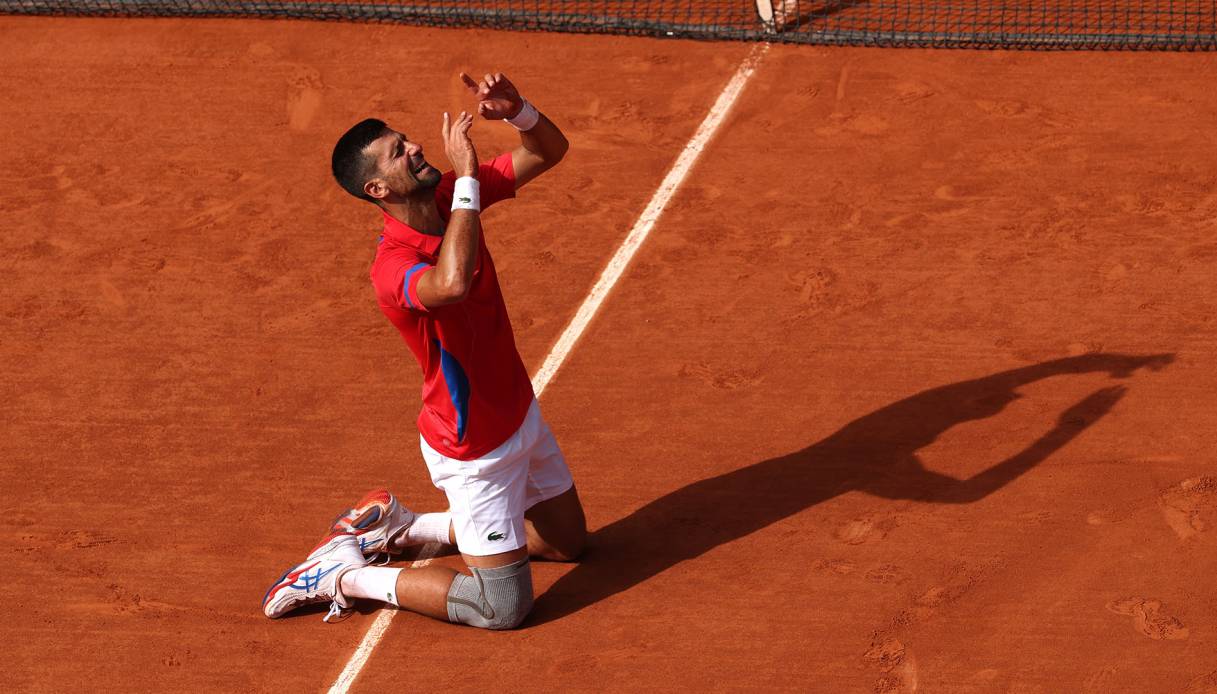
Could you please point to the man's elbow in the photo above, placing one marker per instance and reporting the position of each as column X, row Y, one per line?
column 554, row 151
column 452, row 290
column 457, row 291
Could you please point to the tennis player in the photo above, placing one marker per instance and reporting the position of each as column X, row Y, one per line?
column 485, row 443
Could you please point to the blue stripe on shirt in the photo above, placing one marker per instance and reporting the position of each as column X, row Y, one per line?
column 458, row 387
column 405, row 286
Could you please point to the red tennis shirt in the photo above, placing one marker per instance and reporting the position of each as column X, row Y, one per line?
column 476, row 390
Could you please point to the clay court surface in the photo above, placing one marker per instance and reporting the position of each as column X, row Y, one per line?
column 911, row 388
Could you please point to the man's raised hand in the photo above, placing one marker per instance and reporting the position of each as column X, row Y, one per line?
column 497, row 96
column 458, row 146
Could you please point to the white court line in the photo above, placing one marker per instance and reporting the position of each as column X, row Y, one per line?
column 583, row 316
column 647, row 220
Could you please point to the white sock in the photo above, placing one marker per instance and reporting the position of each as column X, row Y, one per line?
column 427, row 527
column 372, row 583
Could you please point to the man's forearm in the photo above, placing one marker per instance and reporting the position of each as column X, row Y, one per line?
column 545, row 141
column 458, row 252
column 541, row 147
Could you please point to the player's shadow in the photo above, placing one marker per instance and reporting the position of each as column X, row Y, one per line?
column 876, row 453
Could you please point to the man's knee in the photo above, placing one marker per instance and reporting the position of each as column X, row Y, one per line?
column 498, row 598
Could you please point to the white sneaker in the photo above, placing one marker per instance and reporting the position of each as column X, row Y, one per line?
column 317, row 579
column 375, row 521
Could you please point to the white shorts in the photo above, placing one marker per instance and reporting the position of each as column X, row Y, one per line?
column 489, row 495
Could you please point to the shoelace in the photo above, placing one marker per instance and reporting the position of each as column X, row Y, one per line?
column 337, row 613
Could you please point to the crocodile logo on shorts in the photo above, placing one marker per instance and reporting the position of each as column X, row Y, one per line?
column 495, row 536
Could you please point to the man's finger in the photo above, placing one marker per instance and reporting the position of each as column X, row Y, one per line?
column 469, row 83
column 444, row 129
column 488, row 80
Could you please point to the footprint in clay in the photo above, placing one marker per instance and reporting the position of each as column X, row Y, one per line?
column 304, row 98
column 1204, row 684
column 863, row 530
column 1191, row 507
column 1147, row 618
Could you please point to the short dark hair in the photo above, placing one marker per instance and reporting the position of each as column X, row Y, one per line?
column 352, row 166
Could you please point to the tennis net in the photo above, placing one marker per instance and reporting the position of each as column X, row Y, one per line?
column 1057, row 24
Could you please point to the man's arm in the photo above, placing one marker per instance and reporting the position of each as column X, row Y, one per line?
column 449, row 282
column 541, row 147
column 542, row 144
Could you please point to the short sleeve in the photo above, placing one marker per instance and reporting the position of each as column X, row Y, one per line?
column 409, row 286
column 497, row 179
column 396, row 283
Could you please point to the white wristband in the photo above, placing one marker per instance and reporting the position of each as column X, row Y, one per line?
column 527, row 118
column 467, row 195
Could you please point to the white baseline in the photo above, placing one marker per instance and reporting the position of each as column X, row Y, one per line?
column 566, row 342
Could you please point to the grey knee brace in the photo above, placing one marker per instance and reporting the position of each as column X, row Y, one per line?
column 497, row 598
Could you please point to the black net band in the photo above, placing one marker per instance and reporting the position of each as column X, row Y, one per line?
column 1059, row 24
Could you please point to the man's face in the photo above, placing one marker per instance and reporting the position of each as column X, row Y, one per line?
column 401, row 166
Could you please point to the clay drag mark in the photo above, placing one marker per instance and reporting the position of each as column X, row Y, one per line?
column 875, row 454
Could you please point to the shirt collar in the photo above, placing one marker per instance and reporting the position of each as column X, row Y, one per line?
column 399, row 231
